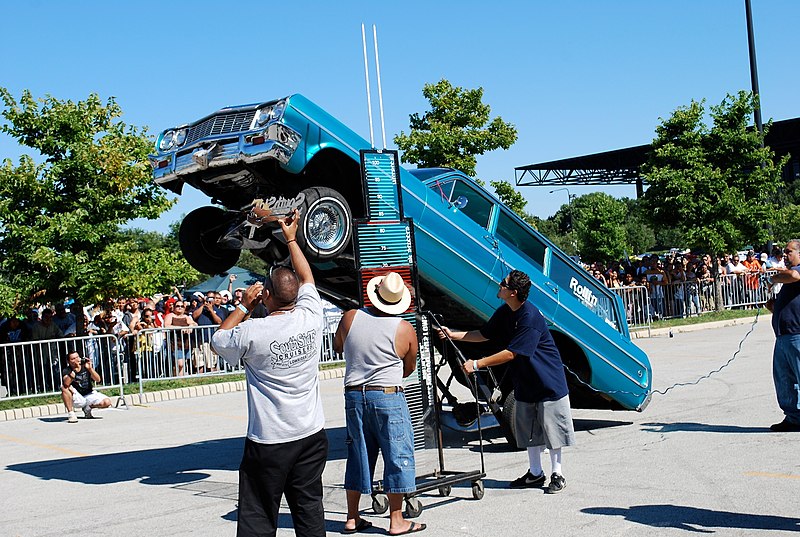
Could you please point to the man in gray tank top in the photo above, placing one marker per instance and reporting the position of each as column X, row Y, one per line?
column 380, row 350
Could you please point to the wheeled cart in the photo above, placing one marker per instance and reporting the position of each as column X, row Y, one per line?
column 384, row 242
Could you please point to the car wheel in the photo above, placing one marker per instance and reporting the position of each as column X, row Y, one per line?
column 199, row 236
column 325, row 224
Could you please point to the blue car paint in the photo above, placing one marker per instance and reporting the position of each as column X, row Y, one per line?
column 465, row 260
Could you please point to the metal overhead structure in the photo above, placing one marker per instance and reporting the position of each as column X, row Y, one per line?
column 622, row 166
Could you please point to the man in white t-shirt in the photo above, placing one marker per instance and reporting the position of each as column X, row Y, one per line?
column 286, row 446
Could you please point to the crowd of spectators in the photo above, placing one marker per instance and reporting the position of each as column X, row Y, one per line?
column 681, row 285
column 126, row 318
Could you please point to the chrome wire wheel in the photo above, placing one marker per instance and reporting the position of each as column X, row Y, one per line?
column 327, row 225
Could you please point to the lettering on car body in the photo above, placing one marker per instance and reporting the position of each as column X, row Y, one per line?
column 583, row 293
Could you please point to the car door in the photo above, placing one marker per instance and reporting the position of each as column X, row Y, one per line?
column 461, row 253
column 521, row 249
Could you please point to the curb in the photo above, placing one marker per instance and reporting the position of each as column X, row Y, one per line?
column 133, row 399
column 658, row 332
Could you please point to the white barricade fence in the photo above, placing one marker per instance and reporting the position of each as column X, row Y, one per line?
column 636, row 300
column 33, row 368
column 174, row 352
column 744, row 290
column 681, row 299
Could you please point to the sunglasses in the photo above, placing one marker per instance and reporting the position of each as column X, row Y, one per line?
column 178, row 306
column 504, row 284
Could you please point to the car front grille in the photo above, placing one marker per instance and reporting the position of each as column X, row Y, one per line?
column 221, row 124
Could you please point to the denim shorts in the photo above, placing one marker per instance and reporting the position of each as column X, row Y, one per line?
column 379, row 421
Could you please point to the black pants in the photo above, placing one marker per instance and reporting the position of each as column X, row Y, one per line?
column 269, row 471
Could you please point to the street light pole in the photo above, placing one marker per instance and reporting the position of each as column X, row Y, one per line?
column 571, row 216
column 751, row 47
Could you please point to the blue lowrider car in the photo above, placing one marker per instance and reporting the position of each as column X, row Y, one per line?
column 291, row 152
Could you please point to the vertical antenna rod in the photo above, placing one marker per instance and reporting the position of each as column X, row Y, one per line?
column 366, row 76
column 380, row 93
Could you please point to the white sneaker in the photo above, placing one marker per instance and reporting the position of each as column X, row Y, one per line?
column 87, row 412
column 72, row 418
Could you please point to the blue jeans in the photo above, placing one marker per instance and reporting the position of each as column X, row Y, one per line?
column 379, row 421
column 786, row 375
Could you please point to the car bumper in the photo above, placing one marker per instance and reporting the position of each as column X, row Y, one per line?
column 277, row 142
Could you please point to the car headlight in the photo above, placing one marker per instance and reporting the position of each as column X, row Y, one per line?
column 278, row 109
column 180, row 136
column 263, row 115
column 167, row 140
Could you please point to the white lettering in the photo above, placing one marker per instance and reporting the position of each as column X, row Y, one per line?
column 583, row 293
column 283, row 205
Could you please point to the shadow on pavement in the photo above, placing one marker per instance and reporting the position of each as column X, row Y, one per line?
column 594, row 425
column 696, row 519
column 162, row 466
column 700, row 427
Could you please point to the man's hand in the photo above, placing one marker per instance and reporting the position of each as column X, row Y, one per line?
column 88, row 365
column 289, row 225
column 443, row 332
column 232, row 278
column 467, row 367
column 252, row 295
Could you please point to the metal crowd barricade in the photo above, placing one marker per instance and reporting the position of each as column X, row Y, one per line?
column 33, row 368
column 636, row 300
column 744, row 290
column 681, row 299
column 178, row 352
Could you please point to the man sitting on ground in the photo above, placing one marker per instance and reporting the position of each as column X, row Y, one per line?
column 77, row 389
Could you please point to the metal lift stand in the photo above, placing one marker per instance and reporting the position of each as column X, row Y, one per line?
column 384, row 242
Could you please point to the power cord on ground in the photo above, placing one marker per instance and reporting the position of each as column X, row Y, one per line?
column 677, row 384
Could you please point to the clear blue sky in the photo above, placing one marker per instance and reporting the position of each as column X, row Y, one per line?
column 575, row 77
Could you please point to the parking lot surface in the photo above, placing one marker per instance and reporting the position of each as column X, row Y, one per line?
column 700, row 459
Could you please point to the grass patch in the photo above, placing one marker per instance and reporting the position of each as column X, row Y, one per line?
column 711, row 316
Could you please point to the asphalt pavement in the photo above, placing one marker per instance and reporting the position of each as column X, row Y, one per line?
column 699, row 459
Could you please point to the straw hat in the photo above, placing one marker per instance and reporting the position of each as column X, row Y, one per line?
column 389, row 293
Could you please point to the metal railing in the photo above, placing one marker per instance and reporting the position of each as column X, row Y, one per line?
column 646, row 303
column 178, row 352
column 33, row 368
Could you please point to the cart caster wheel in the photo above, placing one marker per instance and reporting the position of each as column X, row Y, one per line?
column 477, row 490
column 380, row 504
column 445, row 490
column 413, row 507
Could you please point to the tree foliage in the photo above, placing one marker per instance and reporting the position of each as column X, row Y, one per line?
column 510, row 197
column 59, row 219
column 715, row 185
column 456, row 129
column 599, row 221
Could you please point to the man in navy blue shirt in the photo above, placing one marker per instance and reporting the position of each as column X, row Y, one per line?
column 786, row 325
column 542, row 415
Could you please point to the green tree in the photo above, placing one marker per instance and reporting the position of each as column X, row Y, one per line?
column 599, row 224
column 510, row 197
column 59, row 219
column 454, row 130
column 716, row 186
column 640, row 236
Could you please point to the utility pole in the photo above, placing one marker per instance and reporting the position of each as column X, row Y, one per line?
column 751, row 46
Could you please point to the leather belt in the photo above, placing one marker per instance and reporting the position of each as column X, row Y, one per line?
column 367, row 388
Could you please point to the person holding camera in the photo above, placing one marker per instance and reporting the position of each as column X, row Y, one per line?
column 207, row 314
column 77, row 388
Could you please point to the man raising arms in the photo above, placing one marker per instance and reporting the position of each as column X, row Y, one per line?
column 286, row 446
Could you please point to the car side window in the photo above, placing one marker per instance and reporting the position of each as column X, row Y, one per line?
column 443, row 188
column 517, row 235
column 478, row 207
